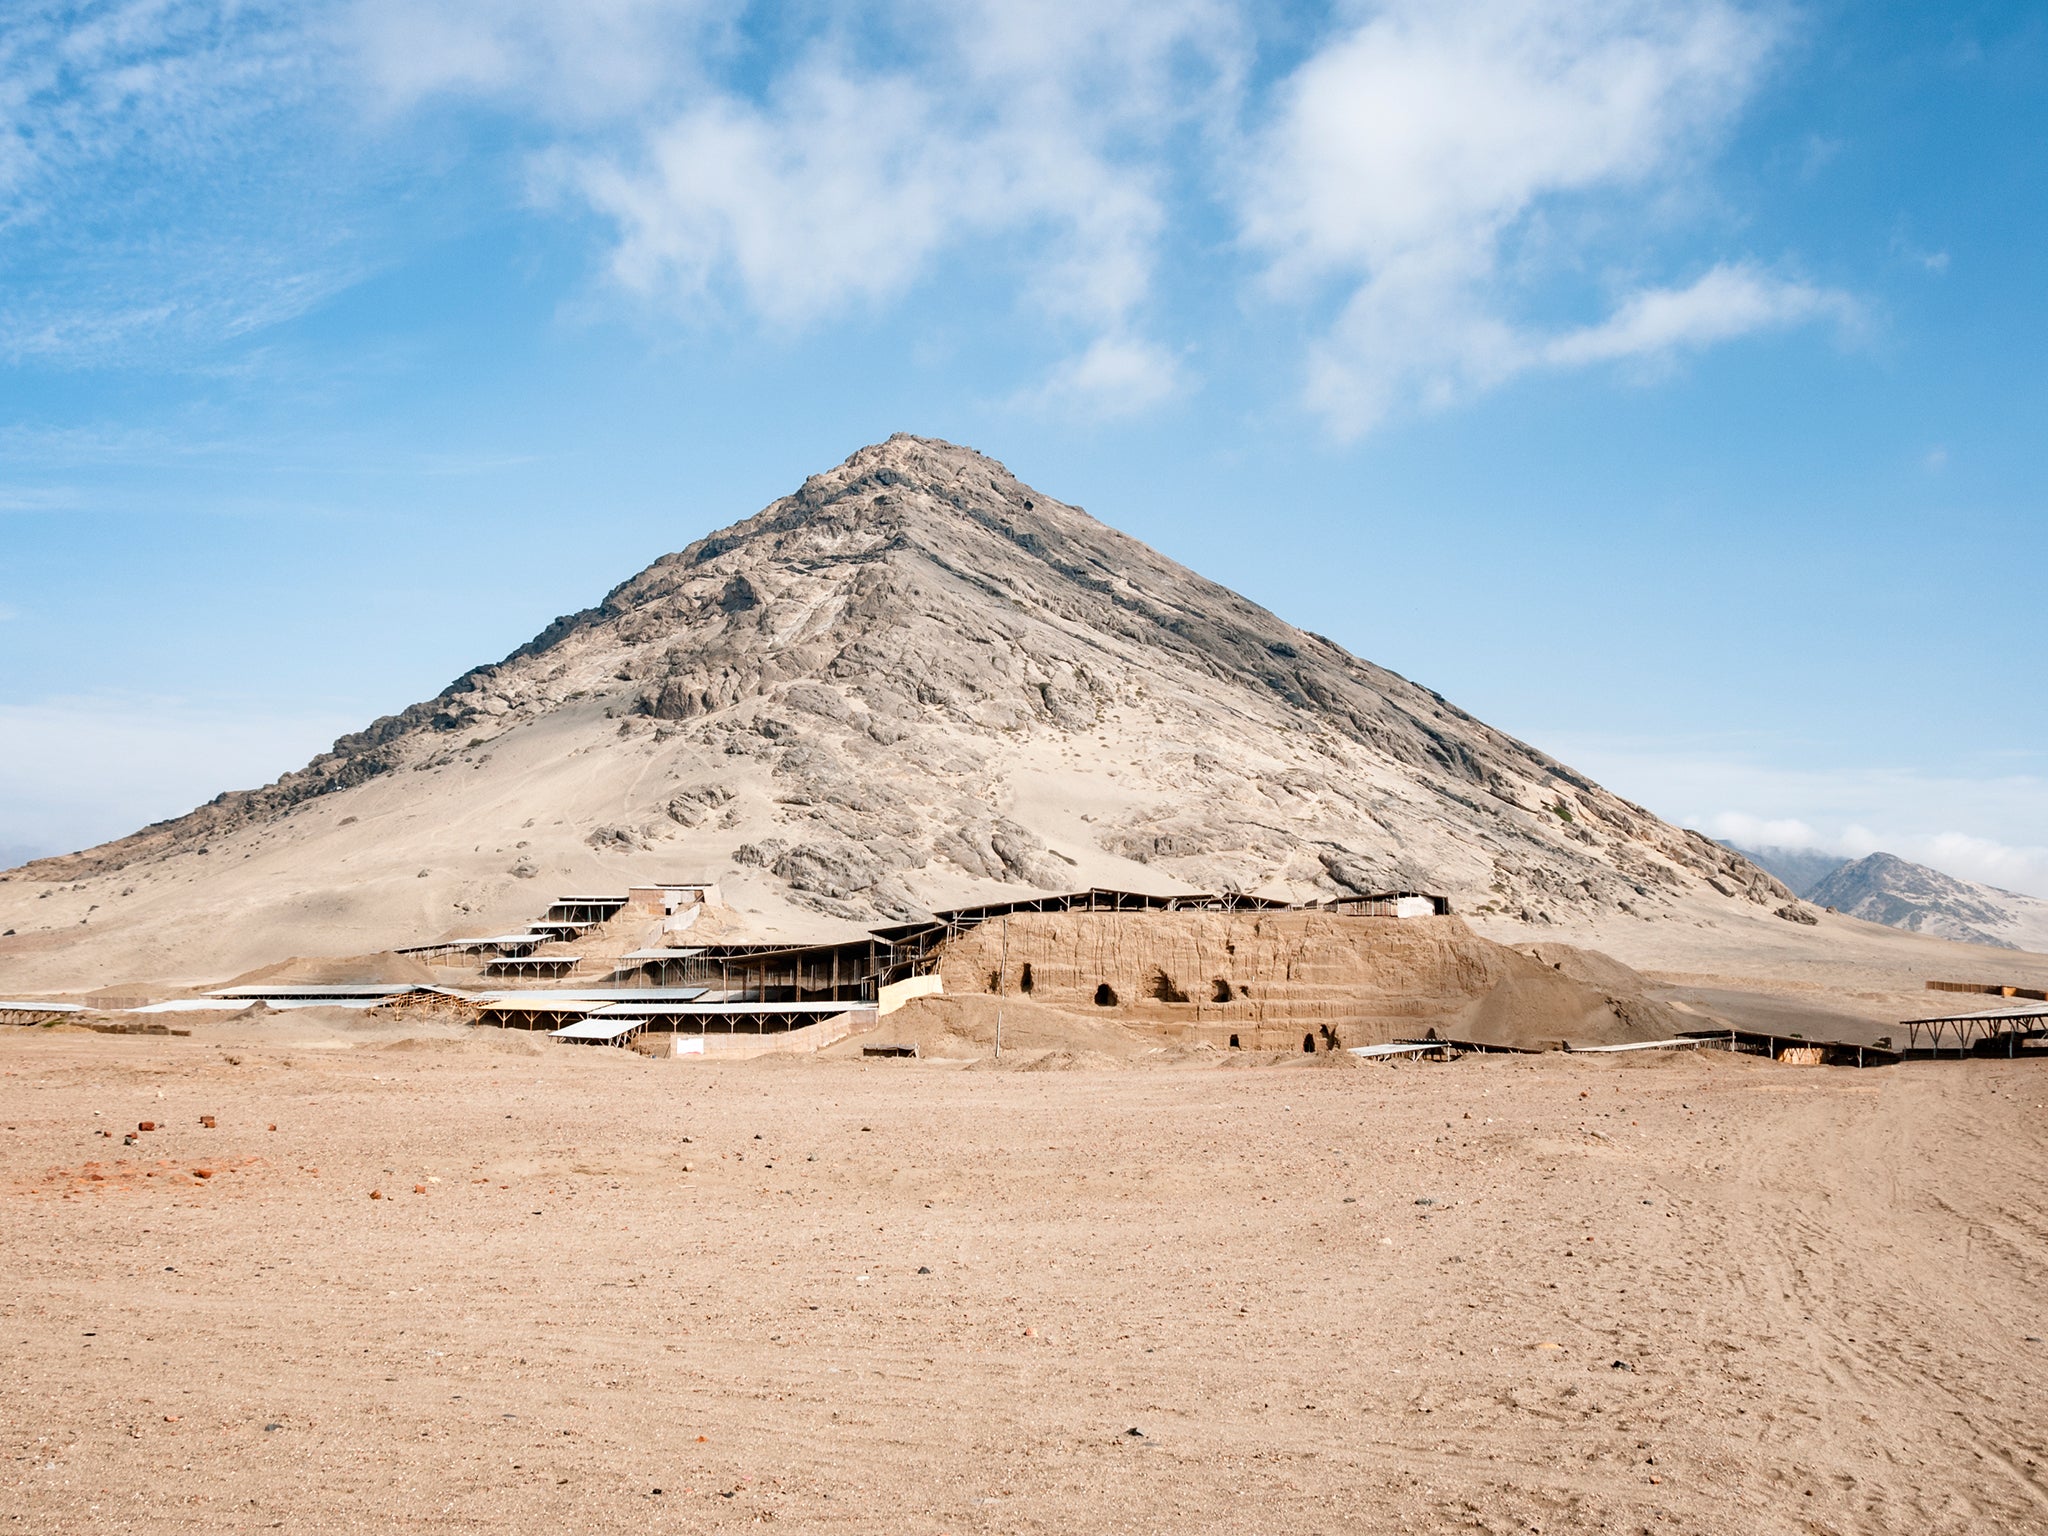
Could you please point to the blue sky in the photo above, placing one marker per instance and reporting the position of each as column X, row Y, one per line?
column 1662, row 380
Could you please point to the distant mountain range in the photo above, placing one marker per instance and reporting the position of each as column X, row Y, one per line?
column 1884, row 888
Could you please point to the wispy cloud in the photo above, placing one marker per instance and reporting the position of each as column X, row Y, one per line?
column 592, row 62
column 164, row 176
column 795, row 168
column 46, row 447
column 1116, row 376
column 1727, row 302
column 175, row 173
column 1027, row 138
column 1411, row 158
column 2009, row 866
column 40, row 498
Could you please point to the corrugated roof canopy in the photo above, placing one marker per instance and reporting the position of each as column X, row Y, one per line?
column 599, row 1028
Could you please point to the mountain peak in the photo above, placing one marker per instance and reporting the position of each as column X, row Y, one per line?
column 914, row 682
column 906, row 489
column 1884, row 888
column 908, row 463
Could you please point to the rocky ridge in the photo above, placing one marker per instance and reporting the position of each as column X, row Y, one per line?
column 1884, row 888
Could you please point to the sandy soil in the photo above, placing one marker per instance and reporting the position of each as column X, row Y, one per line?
column 1840, row 979
column 1840, row 959
column 1681, row 1294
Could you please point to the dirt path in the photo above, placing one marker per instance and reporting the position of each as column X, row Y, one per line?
column 1703, row 1295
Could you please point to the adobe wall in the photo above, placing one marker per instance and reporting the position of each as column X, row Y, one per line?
column 1272, row 977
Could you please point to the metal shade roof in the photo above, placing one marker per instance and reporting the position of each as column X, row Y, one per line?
column 322, row 989
column 545, row 1005
column 599, row 1028
column 734, row 1010
column 540, row 996
column 2033, row 1011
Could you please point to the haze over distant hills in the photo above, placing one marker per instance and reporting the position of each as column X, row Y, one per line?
column 1884, row 888
column 915, row 682
column 1800, row 868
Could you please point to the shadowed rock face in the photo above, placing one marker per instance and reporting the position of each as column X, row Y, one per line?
column 918, row 680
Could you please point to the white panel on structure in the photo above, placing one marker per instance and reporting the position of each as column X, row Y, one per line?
column 596, row 1027
column 897, row 993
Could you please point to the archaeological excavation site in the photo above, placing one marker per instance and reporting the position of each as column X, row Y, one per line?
column 1107, row 973
column 919, row 759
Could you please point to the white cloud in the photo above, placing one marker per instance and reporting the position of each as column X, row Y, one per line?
column 592, row 60
column 838, row 190
column 1116, row 376
column 1729, row 301
column 1411, row 157
column 1418, row 136
column 1026, row 138
column 1981, row 858
column 82, row 770
column 1764, row 832
column 1991, row 827
column 2019, row 867
column 841, row 187
column 195, row 172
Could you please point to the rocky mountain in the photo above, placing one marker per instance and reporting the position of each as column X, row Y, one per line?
column 915, row 682
column 1802, row 869
column 1887, row 889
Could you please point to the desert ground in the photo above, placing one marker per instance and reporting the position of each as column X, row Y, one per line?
column 422, row 1279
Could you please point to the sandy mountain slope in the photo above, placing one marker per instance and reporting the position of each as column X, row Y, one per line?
column 915, row 682
column 1886, row 889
